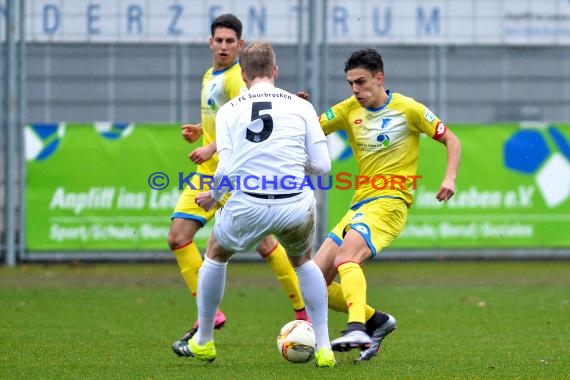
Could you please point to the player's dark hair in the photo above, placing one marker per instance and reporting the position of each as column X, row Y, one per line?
column 258, row 60
column 368, row 59
column 229, row 21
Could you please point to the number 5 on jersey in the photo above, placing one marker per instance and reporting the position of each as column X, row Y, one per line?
column 267, row 120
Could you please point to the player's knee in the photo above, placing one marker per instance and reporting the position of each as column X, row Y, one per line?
column 266, row 246
column 355, row 256
column 174, row 240
column 178, row 236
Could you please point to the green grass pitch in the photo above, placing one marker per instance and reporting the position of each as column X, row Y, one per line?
column 456, row 320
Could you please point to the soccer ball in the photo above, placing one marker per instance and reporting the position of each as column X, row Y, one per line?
column 296, row 341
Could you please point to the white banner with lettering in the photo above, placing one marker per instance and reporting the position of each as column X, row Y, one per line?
column 465, row 22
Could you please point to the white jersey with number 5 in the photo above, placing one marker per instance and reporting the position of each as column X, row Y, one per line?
column 269, row 131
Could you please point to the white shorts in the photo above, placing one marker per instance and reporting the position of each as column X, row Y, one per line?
column 245, row 220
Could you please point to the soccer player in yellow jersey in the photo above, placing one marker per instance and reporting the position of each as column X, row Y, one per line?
column 221, row 82
column 383, row 129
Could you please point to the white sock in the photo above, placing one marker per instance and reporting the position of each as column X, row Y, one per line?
column 211, row 283
column 314, row 293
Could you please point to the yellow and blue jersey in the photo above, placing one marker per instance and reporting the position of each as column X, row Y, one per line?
column 218, row 87
column 385, row 143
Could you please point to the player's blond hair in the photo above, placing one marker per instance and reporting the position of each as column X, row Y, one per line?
column 258, row 60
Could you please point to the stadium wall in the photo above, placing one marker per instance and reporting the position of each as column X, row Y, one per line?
column 81, row 82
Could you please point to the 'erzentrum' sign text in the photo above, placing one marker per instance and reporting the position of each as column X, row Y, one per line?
column 374, row 22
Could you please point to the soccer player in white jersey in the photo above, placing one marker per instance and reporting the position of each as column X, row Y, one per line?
column 220, row 83
column 272, row 138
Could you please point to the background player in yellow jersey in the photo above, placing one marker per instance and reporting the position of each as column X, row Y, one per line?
column 383, row 129
column 221, row 82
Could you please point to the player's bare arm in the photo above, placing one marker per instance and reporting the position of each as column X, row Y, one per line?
column 208, row 199
column 453, row 146
column 202, row 153
column 191, row 132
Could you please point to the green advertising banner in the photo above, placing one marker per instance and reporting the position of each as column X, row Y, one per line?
column 88, row 185
column 513, row 189
column 88, row 188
